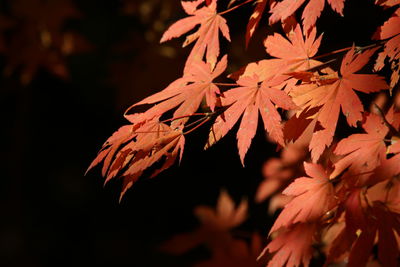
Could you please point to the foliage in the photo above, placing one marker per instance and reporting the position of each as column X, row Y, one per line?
column 347, row 199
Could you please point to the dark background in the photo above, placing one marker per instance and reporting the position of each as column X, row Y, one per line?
column 53, row 215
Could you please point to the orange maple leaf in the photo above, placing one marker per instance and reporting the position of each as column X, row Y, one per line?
column 292, row 246
column 313, row 197
column 225, row 216
column 390, row 30
column 111, row 146
column 207, row 35
column 294, row 53
column 363, row 152
column 338, row 95
column 250, row 99
column 151, row 148
column 278, row 172
column 255, row 19
column 186, row 92
column 286, row 8
column 385, row 184
column 215, row 226
column 134, row 148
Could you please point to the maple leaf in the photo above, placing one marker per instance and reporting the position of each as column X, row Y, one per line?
column 111, row 146
column 134, row 148
column 390, row 30
column 338, row 95
column 255, row 19
column 277, row 202
column 186, row 92
column 249, row 99
column 298, row 127
column 313, row 197
column 304, row 127
column 381, row 219
column 278, row 171
column 284, row 9
column 292, row 246
column 363, row 152
column 382, row 224
column 386, row 185
column 237, row 254
column 225, row 216
column 367, row 224
column 388, row 223
column 207, row 35
column 387, row 3
column 214, row 229
column 294, row 53
column 354, row 220
column 144, row 153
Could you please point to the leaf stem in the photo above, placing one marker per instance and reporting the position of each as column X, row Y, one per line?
column 186, row 116
column 235, row 7
column 226, row 84
column 195, row 122
column 203, row 120
column 159, row 131
column 358, row 48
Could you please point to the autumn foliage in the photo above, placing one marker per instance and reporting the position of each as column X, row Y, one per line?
column 339, row 195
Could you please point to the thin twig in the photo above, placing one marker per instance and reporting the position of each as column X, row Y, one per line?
column 186, row 116
column 226, row 84
column 358, row 48
column 197, row 126
column 195, row 122
column 233, row 8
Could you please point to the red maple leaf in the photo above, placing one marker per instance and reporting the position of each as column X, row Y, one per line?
column 368, row 221
column 354, row 220
column 207, row 35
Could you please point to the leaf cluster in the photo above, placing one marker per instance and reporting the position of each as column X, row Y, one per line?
column 347, row 199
